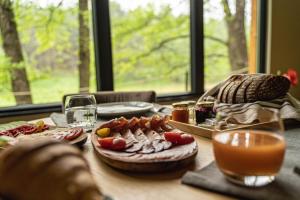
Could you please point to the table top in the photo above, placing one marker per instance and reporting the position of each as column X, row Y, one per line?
column 159, row 186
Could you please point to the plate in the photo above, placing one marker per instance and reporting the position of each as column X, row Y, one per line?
column 123, row 108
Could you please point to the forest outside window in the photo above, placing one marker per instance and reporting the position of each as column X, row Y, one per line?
column 47, row 46
column 46, row 50
column 229, row 45
column 151, row 45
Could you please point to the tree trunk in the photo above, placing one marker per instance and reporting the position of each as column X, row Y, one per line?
column 12, row 49
column 84, row 50
column 237, row 44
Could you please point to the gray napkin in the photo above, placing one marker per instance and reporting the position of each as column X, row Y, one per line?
column 286, row 185
column 59, row 119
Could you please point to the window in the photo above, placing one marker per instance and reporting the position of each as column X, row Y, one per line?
column 227, row 35
column 55, row 55
column 150, row 41
column 171, row 46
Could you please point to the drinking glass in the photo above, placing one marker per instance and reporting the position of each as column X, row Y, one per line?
column 80, row 111
column 252, row 156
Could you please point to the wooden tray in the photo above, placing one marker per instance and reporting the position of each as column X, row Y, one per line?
column 208, row 132
column 154, row 162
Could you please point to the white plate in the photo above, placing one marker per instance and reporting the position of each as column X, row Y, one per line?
column 123, row 108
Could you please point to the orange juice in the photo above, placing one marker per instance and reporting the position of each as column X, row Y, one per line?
column 249, row 152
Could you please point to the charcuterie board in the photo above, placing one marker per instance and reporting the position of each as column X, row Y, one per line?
column 148, row 157
column 208, row 131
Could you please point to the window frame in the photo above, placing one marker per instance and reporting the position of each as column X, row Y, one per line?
column 104, row 58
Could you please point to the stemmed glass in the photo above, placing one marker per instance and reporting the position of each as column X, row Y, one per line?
column 251, row 156
column 80, row 111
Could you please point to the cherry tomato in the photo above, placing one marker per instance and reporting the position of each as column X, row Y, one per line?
column 112, row 143
column 73, row 134
column 178, row 138
column 186, row 139
column 172, row 137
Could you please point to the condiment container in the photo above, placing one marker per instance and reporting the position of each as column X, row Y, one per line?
column 204, row 110
column 180, row 112
column 191, row 107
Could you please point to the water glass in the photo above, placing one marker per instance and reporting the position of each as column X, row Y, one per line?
column 80, row 111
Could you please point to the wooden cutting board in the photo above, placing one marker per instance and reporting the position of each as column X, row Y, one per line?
column 173, row 158
column 208, row 132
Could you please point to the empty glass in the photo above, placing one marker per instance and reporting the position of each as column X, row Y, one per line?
column 80, row 111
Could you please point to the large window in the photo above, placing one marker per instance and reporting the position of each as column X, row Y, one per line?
column 48, row 47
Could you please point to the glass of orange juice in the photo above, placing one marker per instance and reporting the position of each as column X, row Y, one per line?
column 250, row 157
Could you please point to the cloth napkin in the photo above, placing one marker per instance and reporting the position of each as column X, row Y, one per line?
column 259, row 111
column 286, row 185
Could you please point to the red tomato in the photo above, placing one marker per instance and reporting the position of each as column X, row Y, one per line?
column 112, row 143
column 178, row 138
column 73, row 134
column 172, row 137
column 186, row 139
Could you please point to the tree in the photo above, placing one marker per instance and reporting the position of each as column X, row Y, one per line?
column 84, row 51
column 237, row 45
column 12, row 49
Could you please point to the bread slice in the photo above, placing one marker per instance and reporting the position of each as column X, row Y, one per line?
column 233, row 90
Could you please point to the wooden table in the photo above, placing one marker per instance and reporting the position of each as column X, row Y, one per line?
column 162, row 186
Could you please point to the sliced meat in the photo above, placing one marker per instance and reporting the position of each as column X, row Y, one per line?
column 147, row 148
column 146, row 143
column 129, row 138
column 158, row 145
column 144, row 123
column 135, row 147
column 156, row 139
column 115, row 125
column 133, row 124
column 156, row 122
column 167, row 144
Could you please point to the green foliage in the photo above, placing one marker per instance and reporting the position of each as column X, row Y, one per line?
column 151, row 50
column 149, row 45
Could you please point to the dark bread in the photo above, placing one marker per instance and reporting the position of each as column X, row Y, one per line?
column 45, row 170
column 234, row 88
column 253, row 87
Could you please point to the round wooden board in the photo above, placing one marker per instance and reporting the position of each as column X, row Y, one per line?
column 155, row 162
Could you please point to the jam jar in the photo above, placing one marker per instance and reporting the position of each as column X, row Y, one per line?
column 204, row 110
column 180, row 112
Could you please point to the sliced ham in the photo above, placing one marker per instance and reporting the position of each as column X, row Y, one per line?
column 129, row 138
column 142, row 138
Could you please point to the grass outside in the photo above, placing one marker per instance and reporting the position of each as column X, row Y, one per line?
column 52, row 88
